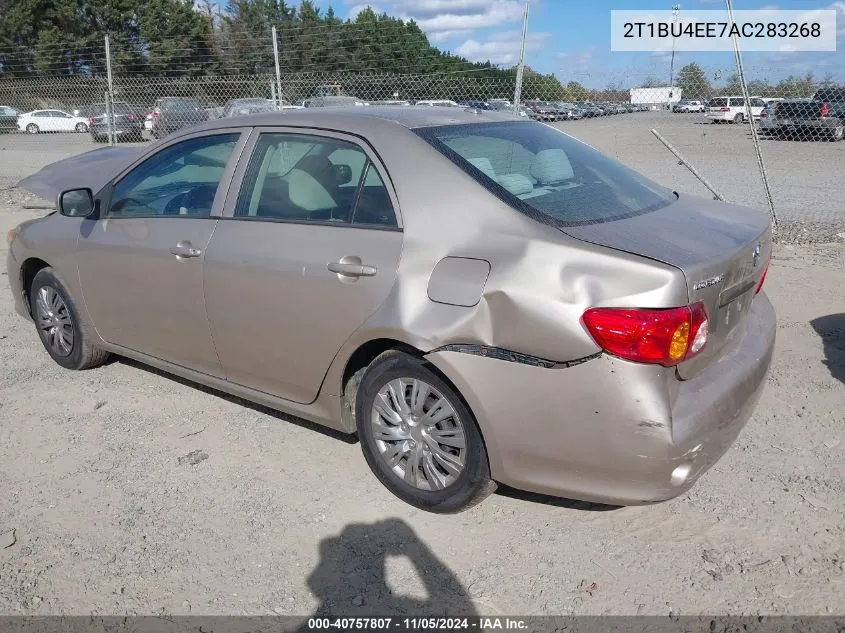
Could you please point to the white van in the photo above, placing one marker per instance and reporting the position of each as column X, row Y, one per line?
column 732, row 109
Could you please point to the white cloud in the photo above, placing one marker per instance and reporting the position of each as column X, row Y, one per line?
column 445, row 36
column 575, row 63
column 503, row 48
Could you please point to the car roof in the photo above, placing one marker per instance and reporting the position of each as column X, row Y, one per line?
column 343, row 118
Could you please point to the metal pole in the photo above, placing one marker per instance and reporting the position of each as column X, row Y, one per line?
column 686, row 164
column 109, row 94
column 676, row 9
column 278, row 70
column 754, row 137
column 520, row 68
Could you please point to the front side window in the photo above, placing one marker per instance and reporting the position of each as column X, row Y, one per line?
column 309, row 178
column 540, row 170
column 180, row 180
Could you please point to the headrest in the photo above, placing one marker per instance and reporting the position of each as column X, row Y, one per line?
column 517, row 184
column 484, row 165
column 551, row 167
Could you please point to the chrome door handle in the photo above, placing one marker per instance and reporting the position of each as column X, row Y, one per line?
column 350, row 269
column 185, row 249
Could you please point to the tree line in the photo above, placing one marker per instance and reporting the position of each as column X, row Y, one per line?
column 177, row 39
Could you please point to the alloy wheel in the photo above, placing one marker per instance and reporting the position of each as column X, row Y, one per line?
column 54, row 322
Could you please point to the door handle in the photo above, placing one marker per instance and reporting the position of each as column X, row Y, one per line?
column 184, row 248
column 352, row 267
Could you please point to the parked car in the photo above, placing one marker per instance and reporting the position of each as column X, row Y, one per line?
column 8, row 119
column 242, row 107
column 569, row 111
column 767, row 123
column 732, row 109
column 644, row 337
column 477, row 104
column 689, row 105
column 589, row 109
column 127, row 122
column 331, row 101
column 51, row 121
column 823, row 115
column 171, row 114
column 544, row 111
column 442, row 103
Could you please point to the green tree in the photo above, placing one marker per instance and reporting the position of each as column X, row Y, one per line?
column 693, row 82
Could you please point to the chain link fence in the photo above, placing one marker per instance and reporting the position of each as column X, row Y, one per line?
column 694, row 134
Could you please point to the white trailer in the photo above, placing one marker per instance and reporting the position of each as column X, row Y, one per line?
column 661, row 96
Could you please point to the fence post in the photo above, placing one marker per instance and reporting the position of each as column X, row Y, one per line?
column 517, row 93
column 278, row 71
column 109, row 95
column 754, row 137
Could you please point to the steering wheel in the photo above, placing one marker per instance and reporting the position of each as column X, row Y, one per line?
column 176, row 203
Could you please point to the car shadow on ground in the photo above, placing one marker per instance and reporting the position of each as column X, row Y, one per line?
column 351, row 577
column 831, row 329
column 558, row 502
column 284, row 417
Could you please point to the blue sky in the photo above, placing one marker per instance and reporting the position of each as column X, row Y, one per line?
column 571, row 38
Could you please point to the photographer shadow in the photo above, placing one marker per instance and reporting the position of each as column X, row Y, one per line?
column 351, row 578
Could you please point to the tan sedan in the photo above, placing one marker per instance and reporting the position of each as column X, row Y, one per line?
column 480, row 297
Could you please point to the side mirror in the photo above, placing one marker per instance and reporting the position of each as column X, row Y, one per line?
column 76, row 203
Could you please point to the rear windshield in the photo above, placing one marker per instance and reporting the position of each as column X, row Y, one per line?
column 831, row 94
column 546, row 173
column 180, row 104
column 720, row 102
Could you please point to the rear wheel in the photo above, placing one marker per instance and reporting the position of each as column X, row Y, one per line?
column 838, row 133
column 32, row 128
column 739, row 118
column 418, row 437
column 67, row 339
column 81, row 127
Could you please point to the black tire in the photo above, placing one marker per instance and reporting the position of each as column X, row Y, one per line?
column 32, row 128
column 471, row 486
column 739, row 118
column 837, row 134
column 84, row 353
column 81, row 128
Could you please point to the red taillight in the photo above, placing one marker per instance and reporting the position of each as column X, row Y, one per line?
column 825, row 109
column 91, row 121
column 762, row 279
column 131, row 117
column 155, row 115
column 724, row 109
column 763, row 114
column 656, row 336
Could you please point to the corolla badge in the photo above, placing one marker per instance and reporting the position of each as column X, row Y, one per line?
column 706, row 283
column 755, row 256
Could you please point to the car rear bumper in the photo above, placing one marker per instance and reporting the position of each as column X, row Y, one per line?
column 825, row 124
column 608, row 430
column 122, row 130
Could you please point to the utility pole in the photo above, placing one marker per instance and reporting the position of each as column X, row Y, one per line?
column 520, row 68
column 278, row 71
column 676, row 9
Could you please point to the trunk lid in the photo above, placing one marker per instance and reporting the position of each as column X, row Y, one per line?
column 722, row 250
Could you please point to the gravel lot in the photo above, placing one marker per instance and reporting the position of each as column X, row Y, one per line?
column 124, row 491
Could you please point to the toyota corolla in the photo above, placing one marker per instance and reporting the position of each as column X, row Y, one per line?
column 481, row 298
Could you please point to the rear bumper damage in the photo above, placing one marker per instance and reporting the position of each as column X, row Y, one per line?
column 608, row 430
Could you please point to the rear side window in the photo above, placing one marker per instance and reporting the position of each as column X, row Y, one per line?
column 546, row 173
column 719, row 102
column 831, row 94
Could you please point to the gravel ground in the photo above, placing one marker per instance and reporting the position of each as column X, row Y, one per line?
column 124, row 491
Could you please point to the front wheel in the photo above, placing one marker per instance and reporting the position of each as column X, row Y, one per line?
column 65, row 337
column 419, row 438
column 739, row 118
column 32, row 128
column 81, row 127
